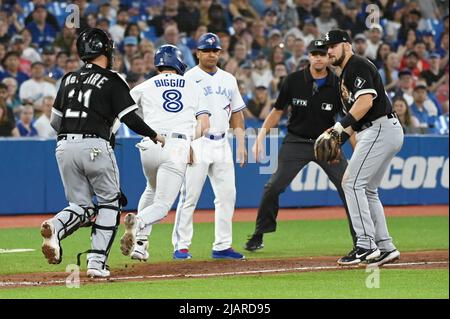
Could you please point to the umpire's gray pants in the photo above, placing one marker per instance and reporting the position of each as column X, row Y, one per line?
column 375, row 147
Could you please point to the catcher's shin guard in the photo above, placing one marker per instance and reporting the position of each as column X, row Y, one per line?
column 71, row 218
column 103, row 233
column 62, row 225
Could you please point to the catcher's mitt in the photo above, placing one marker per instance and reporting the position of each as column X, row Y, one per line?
column 327, row 147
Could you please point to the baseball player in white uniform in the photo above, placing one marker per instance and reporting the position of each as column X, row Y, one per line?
column 171, row 103
column 212, row 154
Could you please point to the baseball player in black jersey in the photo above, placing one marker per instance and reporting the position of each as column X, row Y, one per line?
column 313, row 95
column 87, row 109
column 379, row 136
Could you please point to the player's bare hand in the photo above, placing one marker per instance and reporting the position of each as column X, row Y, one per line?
column 258, row 150
column 241, row 155
column 160, row 139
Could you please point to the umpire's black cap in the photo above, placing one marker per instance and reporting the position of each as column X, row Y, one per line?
column 336, row 36
column 317, row 46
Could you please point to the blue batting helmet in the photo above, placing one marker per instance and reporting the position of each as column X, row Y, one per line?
column 170, row 56
column 209, row 41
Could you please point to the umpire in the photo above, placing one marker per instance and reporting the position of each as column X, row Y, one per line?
column 313, row 95
column 89, row 103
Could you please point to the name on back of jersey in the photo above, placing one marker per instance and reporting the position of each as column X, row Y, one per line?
column 170, row 83
column 94, row 79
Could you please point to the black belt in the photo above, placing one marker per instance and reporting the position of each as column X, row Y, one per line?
column 64, row 136
column 369, row 124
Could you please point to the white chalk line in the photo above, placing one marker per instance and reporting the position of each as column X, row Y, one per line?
column 247, row 272
column 18, row 250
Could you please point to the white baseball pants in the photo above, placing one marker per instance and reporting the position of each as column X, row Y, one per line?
column 212, row 158
column 164, row 168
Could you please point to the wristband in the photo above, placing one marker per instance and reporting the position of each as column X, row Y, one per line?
column 348, row 120
column 344, row 137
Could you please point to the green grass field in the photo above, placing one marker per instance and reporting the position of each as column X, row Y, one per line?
column 292, row 239
column 322, row 285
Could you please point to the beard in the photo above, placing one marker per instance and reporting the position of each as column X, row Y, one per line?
column 338, row 62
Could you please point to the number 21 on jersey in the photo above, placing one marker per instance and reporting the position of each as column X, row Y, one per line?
column 83, row 97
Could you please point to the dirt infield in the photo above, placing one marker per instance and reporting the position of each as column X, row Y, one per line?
column 249, row 214
column 136, row 271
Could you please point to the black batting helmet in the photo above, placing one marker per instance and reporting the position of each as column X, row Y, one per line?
column 93, row 42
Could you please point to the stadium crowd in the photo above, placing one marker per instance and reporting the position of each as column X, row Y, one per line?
column 262, row 41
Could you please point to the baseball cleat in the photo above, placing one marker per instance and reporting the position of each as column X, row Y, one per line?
column 255, row 242
column 50, row 247
column 140, row 250
column 98, row 273
column 358, row 255
column 384, row 258
column 351, row 252
column 227, row 254
column 182, row 254
column 128, row 239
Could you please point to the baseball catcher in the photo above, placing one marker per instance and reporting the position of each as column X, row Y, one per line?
column 89, row 103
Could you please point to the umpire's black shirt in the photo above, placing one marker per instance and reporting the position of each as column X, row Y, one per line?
column 313, row 108
column 359, row 77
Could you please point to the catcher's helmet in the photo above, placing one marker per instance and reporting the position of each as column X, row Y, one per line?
column 209, row 41
column 170, row 56
column 93, row 42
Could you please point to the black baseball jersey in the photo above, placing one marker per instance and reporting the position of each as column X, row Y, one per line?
column 313, row 109
column 360, row 76
column 90, row 100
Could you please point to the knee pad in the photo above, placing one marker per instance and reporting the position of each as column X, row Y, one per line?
column 123, row 200
column 74, row 217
